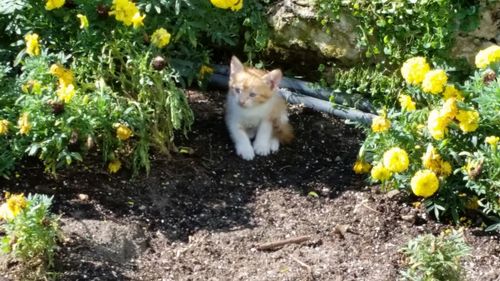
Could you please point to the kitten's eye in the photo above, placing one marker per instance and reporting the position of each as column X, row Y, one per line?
column 237, row 90
column 252, row 94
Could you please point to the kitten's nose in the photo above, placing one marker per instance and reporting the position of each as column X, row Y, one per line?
column 242, row 102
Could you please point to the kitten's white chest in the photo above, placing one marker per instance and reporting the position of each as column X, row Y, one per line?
column 247, row 117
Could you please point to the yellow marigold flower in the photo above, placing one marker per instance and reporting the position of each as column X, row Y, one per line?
column 137, row 20
column 123, row 132
column 468, row 120
column 65, row 76
column 32, row 86
column 450, row 91
column 380, row 173
column 53, row 4
column 235, row 5
column 114, row 166
column 24, row 124
column 14, row 205
column 396, row 160
column 84, row 22
column 32, row 44
column 406, row 103
column 424, row 183
column 434, row 81
column 4, row 127
column 472, row 203
column 450, row 108
column 160, row 38
column 66, row 92
column 492, row 140
column 445, row 169
column 361, row 167
column 437, row 125
column 380, row 124
column 124, row 11
column 431, row 159
column 204, row 70
column 488, row 56
column 414, row 70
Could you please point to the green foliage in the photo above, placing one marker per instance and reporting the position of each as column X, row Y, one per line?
column 431, row 258
column 400, row 29
column 380, row 86
column 31, row 236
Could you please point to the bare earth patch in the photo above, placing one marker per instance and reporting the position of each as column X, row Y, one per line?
column 202, row 216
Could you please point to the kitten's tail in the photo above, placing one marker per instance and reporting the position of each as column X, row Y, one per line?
column 284, row 132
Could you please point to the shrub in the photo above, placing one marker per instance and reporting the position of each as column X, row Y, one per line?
column 398, row 29
column 104, row 76
column 435, row 258
column 449, row 134
column 31, row 232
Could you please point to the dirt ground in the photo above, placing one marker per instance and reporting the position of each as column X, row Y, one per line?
column 203, row 216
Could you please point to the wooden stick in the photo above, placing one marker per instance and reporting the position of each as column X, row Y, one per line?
column 276, row 244
column 304, row 265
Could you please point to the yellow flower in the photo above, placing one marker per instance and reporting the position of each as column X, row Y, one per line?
column 160, row 38
column 53, row 4
column 24, row 124
column 84, row 22
column 361, row 167
column 66, row 92
column 123, row 132
column 488, row 56
column 406, row 103
column 434, row 81
column 204, row 70
column 65, row 76
column 431, row 159
column 492, row 140
column 424, row 183
column 137, row 20
column 114, row 166
column 414, row 70
column 396, row 160
column 32, row 45
column 4, row 127
column 468, row 120
column 124, row 11
column 445, row 168
column 450, row 108
column 235, row 5
column 437, row 125
column 380, row 173
column 32, row 86
column 450, row 91
column 380, row 124
column 14, row 205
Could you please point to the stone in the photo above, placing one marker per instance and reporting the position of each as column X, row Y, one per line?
column 296, row 29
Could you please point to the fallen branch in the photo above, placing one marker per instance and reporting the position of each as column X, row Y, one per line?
column 276, row 244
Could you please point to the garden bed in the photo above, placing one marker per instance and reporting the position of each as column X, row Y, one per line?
column 202, row 215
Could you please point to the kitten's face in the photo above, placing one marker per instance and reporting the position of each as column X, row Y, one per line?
column 252, row 87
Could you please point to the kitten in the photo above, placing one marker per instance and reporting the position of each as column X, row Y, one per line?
column 254, row 109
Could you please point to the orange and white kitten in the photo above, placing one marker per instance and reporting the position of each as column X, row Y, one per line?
column 254, row 109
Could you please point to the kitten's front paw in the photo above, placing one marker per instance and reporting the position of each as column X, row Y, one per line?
column 261, row 148
column 245, row 151
column 275, row 145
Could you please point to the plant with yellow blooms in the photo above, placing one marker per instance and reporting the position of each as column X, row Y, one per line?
column 30, row 233
column 440, row 140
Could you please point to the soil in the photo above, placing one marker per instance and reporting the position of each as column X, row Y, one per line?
column 203, row 215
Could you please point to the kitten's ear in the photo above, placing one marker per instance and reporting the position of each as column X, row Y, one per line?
column 236, row 66
column 273, row 78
